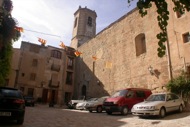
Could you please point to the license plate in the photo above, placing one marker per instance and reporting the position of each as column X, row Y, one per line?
column 5, row 113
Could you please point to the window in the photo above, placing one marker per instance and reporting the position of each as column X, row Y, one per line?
column 32, row 76
column 69, row 78
column 70, row 63
column 186, row 37
column 140, row 44
column 34, row 62
column 89, row 21
column 140, row 94
column 130, row 94
column 75, row 22
column 56, row 54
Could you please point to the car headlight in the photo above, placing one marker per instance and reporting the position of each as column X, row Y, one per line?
column 152, row 107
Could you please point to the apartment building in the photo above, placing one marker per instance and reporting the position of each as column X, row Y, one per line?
column 44, row 72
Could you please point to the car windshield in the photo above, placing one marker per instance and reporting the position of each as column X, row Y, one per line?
column 10, row 93
column 158, row 97
column 120, row 93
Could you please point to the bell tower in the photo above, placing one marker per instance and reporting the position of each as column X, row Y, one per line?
column 84, row 27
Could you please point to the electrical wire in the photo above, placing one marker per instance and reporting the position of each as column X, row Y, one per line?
column 43, row 33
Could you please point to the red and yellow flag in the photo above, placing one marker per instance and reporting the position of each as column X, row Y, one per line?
column 20, row 29
column 62, row 45
column 77, row 53
column 94, row 58
column 42, row 41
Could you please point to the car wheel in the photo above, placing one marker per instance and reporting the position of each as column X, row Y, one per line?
column 99, row 109
column 124, row 110
column 20, row 121
column 109, row 112
column 162, row 113
column 180, row 108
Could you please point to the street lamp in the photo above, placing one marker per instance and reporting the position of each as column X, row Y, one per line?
column 151, row 70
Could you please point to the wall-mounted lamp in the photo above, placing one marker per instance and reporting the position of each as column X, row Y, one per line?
column 151, row 70
column 98, row 82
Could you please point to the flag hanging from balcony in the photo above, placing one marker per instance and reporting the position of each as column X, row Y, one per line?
column 77, row 53
column 94, row 58
column 42, row 41
column 62, row 45
column 20, row 29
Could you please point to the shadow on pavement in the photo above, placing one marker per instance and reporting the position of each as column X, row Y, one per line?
column 169, row 116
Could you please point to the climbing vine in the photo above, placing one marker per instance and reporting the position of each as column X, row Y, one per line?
column 8, row 35
column 163, row 17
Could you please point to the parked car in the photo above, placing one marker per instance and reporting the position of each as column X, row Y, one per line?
column 96, row 105
column 81, row 105
column 72, row 103
column 159, row 104
column 123, row 100
column 12, row 105
column 29, row 101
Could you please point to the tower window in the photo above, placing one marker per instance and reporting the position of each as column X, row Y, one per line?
column 75, row 22
column 140, row 44
column 89, row 21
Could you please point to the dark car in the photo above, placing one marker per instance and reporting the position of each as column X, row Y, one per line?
column 12, row 104
column 29, row 101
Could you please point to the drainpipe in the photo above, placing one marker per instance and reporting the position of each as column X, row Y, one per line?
column 169, row 59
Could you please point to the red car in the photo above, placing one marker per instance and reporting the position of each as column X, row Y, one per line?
column 123, row 100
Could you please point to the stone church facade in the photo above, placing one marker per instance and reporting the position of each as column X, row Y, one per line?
column 124, row 54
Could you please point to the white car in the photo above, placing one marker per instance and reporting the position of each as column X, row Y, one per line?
column 158, row 104
column 81, row 105
column 96, row 105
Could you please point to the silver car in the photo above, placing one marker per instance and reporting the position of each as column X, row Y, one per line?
column 158, row 104
column 96, row 105
column 81, row 105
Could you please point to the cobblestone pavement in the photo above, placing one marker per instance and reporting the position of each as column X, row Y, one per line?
column 43, row 116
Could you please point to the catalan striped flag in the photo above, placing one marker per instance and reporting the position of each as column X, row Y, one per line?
column 62, row 45
column 20, row 29
column 94, row 58
column 77, row 53
column 42, row 41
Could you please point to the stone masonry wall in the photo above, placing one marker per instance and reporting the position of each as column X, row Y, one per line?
column 117, row 65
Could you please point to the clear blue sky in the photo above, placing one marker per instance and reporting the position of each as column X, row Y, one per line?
column 56, row 17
